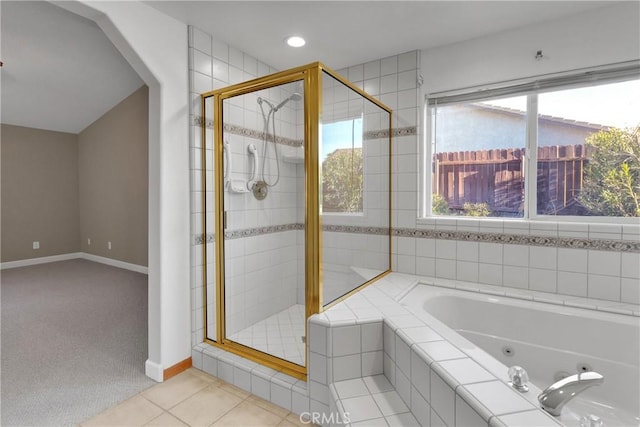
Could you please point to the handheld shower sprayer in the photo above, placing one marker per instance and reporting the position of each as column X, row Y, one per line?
column 260, row 187
column 294, row 97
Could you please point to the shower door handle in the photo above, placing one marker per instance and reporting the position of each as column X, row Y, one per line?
column 227, row 162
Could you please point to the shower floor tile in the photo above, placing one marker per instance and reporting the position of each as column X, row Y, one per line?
column 279, row 335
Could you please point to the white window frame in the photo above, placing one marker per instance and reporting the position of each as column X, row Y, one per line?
column 531, row 88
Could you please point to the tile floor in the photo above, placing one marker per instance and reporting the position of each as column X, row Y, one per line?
column 373, row 401
column 279, row 335
column 194, row 398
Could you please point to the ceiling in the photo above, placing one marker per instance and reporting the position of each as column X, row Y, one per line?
column 62, row 73
column 344, row 33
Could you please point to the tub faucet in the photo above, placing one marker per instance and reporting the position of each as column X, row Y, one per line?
column 554, row 397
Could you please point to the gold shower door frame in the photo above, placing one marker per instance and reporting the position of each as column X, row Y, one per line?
column 311, row 75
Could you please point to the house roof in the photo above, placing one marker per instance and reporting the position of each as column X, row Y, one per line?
column 544, row 117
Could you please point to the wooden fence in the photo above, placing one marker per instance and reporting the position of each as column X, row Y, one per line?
column 496, row 177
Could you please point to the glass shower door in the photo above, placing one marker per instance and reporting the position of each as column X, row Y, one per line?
column 264, row 264
column 300, row 200
column 354, row 156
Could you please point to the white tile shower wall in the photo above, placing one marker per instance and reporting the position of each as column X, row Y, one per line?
column 603, row 274
column 212, row 65
column 243, row 209
column 261, row 277
column 610, row 275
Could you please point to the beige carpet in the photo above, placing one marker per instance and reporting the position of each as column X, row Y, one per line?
column 73, row 342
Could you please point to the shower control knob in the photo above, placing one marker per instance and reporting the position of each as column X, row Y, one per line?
column 260, row 190
column 519, row 378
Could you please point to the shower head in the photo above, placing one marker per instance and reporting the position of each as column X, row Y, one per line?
column 294, row 97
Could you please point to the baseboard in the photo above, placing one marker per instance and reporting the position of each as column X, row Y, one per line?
column 115, row 263
column 41, row 260
column 153, row 371
column 82, row 255
column 174, row 370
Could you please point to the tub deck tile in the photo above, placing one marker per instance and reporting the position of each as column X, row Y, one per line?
column 441, row 350
column 529, row 418
column 498, row 397
column 466, row 371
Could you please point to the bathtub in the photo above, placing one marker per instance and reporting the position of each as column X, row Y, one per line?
column 548, row 340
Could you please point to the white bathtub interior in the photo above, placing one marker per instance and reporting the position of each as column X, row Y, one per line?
column 548, row 340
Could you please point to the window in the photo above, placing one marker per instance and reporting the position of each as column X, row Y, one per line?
column 563, row 150
column 588, row 158
column 342, row 166
column 478, row 167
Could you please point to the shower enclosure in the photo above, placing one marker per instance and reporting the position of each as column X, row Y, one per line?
column 297, row 195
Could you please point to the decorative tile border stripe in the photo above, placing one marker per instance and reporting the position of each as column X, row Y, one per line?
column 198, row 238
column 258, row 231
column 509, row 239
column 197, row 121
column 251, row 133
column 375, row 134
column 355, row 229
column 242, row 131
column 518, row 239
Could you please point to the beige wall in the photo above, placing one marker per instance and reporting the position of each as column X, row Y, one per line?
column 113, row 182
column 39, row 186
column 61, row 189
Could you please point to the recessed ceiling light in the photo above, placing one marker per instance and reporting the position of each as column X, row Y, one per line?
column 295, row 41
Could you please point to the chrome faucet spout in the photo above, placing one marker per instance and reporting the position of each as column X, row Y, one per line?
column 554, row 397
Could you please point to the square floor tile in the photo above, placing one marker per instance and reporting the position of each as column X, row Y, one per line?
column 377, row 422
column 378, row 384
column 248, row 414
column 175, row 390
column 135, row 411
column 390, row 403
column 351, row 388
column 165, row 420
column 206, row 406
column 403, row 420
column 361, row 408
column 264, row 404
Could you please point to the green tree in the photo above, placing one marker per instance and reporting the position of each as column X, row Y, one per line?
column 476, row 209
column 342, row 179
column 611, row 185
column 439, row 205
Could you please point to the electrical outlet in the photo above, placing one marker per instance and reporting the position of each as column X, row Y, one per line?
column 89, row 242
column 36, row 245
column 109, row 245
